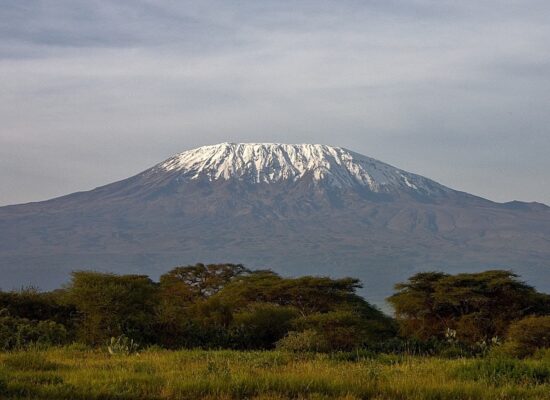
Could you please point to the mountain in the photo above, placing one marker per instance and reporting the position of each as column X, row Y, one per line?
column 298, row 209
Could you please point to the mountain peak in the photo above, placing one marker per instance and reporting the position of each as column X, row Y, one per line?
column 277, row 162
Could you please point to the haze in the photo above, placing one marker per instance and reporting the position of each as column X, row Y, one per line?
column 95, row 91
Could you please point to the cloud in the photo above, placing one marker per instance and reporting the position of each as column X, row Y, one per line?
column 445, row 89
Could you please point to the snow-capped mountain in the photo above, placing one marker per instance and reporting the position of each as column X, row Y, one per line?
column 298, row 209
column 273, row 162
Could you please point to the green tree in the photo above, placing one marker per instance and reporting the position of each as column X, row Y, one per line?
column 112, row 305
column 342, row 330
column 314, row 299
column 185, row 315
column 261, row 325
column 478, row 306
column 308, row 294
column 202, row 281
column 31, row 304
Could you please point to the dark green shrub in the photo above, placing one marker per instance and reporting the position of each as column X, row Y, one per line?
column 305, row 341
column 261, row 325
column 23, row 333
column 527, row 336
column 341, row 330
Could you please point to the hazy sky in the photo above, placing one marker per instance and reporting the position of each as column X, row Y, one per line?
column 94, row 91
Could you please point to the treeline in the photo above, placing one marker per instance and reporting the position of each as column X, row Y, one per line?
column 229, row 306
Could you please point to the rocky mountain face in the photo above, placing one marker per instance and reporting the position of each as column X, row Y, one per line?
column 298, row 209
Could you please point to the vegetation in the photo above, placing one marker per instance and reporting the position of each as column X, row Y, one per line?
column 68, row 373
column 528, row 335
column 107, row 336
column 477, row 307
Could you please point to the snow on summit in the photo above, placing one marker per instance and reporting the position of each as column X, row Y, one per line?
column 273, row 162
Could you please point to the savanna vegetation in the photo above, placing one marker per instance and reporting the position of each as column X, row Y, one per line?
column 223, row 331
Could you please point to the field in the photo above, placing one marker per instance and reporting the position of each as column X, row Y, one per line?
column 77, row 373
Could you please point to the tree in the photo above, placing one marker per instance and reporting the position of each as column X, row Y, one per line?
column 308, row 294
column 261, row 325
column 33, row 305
column 185, row 316
column 112, row 305
column 201, row 280
column 326, row 303
column 342, row 330
column 478, row 306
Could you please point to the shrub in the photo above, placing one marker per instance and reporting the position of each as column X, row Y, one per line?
column 527, row 336
column 305, row 341
column 340, row 330
column 261, row 325
column 23, row 333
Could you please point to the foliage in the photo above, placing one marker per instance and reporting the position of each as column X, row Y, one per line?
column 18, row 333
column 478, row 306
column 341, row 330
column 261, row 325
column 308, row 294
column 307, row 340
column 113, row 305
column 228, row 306
column 202, row 280
column 33, row 305
column 184, row 316
column 528, row 335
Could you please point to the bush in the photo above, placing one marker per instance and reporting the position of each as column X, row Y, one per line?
column 23, row 333
column 261, row 325
column 340, row 330
column 527, row 335
column 305, row 341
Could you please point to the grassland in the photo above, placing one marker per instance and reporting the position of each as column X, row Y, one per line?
column 77, row 373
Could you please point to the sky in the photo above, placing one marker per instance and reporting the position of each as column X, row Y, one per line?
column 95, row 91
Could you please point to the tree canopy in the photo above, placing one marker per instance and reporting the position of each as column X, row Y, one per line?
column 475, row 305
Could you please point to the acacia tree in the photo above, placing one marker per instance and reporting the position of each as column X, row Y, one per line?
column 112, row 305
column 184, row 316
column 330, row 307
column 201, row 280
column 308, row 293
column 477, row 305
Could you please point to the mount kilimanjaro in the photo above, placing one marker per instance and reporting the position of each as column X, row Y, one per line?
column 297, row 209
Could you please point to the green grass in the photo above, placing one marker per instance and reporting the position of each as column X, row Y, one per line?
column 77, row 373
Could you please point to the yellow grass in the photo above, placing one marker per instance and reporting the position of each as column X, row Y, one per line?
column 70, row 373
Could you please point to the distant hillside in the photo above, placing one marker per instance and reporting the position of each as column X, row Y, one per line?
column 298, row 209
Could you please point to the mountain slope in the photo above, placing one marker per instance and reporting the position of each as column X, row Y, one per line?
column 294, row 208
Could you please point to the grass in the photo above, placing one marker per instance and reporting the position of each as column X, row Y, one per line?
column 76, row 373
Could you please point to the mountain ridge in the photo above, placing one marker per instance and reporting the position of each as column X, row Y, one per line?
column 326, row 224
